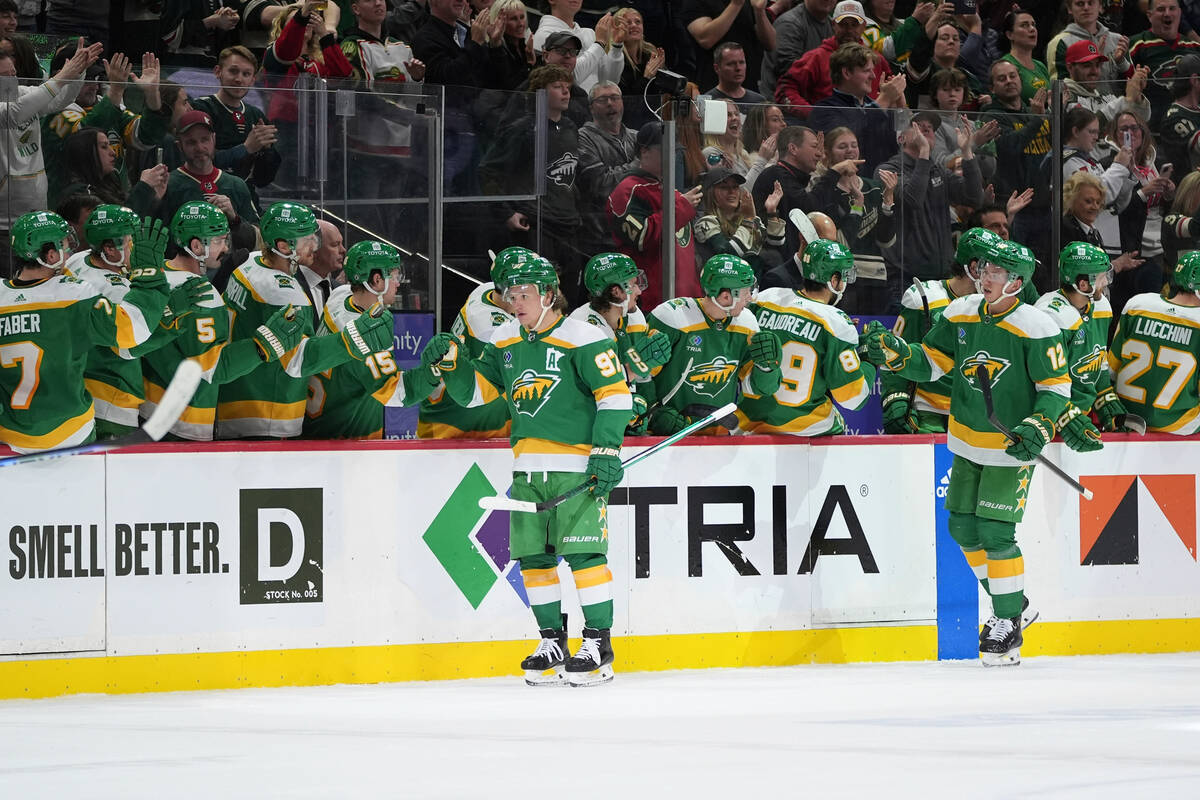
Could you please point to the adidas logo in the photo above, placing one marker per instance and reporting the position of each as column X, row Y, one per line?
column 20, row 297
column 943, row 486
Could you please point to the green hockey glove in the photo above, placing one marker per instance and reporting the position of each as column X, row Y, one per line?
column 366, row 335
column 666, row 421
column 1078, row 431
column 1033, row 433
column 655, row 349
column 279, row 335
column 765, row 351
column 884, row 348
column 897, row 414
column 638, row 418
column 149, row 244
column 604, row 465
column 440, row 353
column 1109, row 409
column 184, row 301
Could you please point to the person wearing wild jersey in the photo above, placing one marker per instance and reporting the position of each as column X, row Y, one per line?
column 346, row 402
column 569, row 404
column 1155, row 350
column 614, row 283
column 819, row 364
column 1083, row 314
column 200, row 231
column 715, row 344
column 48, row 324
column 1021, row 349
column 270, row 400
column 439, row 417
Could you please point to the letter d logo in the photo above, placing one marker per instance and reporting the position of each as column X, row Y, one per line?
column 281, row 546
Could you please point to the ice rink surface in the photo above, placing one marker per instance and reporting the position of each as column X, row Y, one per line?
column 1086, row 727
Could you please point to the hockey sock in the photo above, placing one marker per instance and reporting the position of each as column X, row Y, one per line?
column 593, row 581
column 964, row 532
column 540, row 574
column 1005, row 567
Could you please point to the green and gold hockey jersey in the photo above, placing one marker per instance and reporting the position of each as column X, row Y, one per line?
column 346, row 402
column 1022, row 350
column 47, row 330
column 708, row 357
column 1085, row 338
column 439, row 417
column 565, row 389
column 912, row 324
column 1154, row 357
column 819, row 367
column 628, row 334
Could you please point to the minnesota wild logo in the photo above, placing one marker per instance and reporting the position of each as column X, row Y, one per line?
column 1087, row 368
column 995, row 367
column 711, row 378
column 530, row 391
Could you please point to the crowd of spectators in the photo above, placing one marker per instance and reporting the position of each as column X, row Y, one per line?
column 901, row 121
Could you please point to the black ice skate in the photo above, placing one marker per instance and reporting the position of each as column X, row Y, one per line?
column 592, row 664
column 544, row 667
column 1002, row 647
column 1029, row 616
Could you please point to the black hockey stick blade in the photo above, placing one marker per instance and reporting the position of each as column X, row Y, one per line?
column 174, row 400
column 985, row 386
column 1132, row 423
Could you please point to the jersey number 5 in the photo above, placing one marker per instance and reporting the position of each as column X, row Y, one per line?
column 27, row 356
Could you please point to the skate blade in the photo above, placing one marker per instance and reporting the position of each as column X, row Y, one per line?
column 593, row 678
column 548, row 677
column 1029, row 616
column 1010, row 659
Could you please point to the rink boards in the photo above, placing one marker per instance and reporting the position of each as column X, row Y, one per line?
column 164, row 568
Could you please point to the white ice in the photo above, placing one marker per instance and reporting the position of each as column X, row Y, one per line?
column 1086, row 727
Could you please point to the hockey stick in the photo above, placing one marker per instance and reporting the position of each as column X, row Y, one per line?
column 920, row 287
column 502, row 503
column 804, row 225
column 985, row 386
column 1132, row 422
column 174, row 400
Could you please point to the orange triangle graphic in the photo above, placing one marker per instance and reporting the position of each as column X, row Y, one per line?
column 1176, row 496
column 1094, row 514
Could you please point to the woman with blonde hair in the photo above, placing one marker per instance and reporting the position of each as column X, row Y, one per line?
column 642, row 61
column 727, row 150
column 730, row 224
column 516, row 44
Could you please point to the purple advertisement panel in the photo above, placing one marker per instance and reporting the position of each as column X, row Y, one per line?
column 411, row 331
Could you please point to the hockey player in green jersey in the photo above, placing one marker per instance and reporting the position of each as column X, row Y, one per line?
column 818, row 364
column 569, row 404
column 1083, row 314
column 614, row 283
column 200, row 231
column 439, row 416
column 270, row 400
column 715, row 344
column 1022, row 350
column 347, row 402
column 48, row 324
column 1155, row 350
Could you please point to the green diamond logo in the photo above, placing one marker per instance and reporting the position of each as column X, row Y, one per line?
column 449, row 538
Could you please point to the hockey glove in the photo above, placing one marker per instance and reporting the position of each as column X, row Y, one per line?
column 1033, row 433
column 366, row 335
column 638, row 419
column 440, row 353
column 666, row 421
column 655, row 349
column 1113, row 416
column 897, row 414
column 604, row 465
column 279, row 335
column 149, row 244
column 765, row 351
column 884, row 348
column 184, row 301
column 1078, row 431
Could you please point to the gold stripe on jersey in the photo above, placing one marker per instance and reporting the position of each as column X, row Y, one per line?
column 1185, row 425
column 938, row 403
column 533, row 446
column 983, row 440
column 190, row 415
column 851, row 395
column 58, row 437
column 260, row 409
column 110, row 394
column 440, row 430
column 392, row 392
column 27, row 307
column 941, row 362
column 485, row 392
column 814, row 423
column 507, row 342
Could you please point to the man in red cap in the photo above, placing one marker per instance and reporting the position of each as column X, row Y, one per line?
column 1086, row 64
column 198, row 179
column 1085, row 26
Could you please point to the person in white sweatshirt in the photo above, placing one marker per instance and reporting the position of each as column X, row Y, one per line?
column 594, row 63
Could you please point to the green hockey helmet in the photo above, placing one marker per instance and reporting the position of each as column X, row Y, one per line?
column 109, row 223
column 608, row 269
column 1083, row 260
column 1017, row 259
column 824, row 258
column 33, row 233
column 287, row 222
column 365, row 257
column 974, row 244
column 198, row 220
column 506, row 258
column 1187, row 271
column 726, row 272
column 535, row 271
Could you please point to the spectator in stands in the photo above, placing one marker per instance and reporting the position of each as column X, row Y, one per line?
column 642, row 61
column 516, row 56
column 942, row 47
column 729, row 62
column 1084, row 64
column 924, row 195
column 690, row 163
column 73, row 18
column 25, row 58
column 245, row 140
column 1158, row 49
column 1181, row 228
column 75, row 210
column 852, row 70
column 1179, row 135
column 763, row 122
column 1085, row 27
column 562, row 50
column 601, row 51
column 635, row 221
column 1081, row 132
column 883, row 14
column 9, row 14
column 607, row 153
column 992, row 217
column 799, row 154
column 258, row 29
column 318, row 278
column 745, row 22
column 1141, row 218
column 726, row 149
column 788, row 274
column 453, row 52
column 405, row 18
column 731, row 226
column 199, row 179
column 797, row 31
column 948, row 88
column 808, row 81
column 195, row 31
column 1020, row 30
column 91, row 169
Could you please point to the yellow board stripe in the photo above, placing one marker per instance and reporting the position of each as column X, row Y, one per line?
column 540, row 577
column 592, row 576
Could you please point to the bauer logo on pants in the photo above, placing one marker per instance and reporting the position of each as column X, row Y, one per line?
column 281, row 546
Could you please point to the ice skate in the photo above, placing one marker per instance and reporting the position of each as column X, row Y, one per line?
column 1029, row 615
column 544, row 667
column 1002, row 647
column 592, row 664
